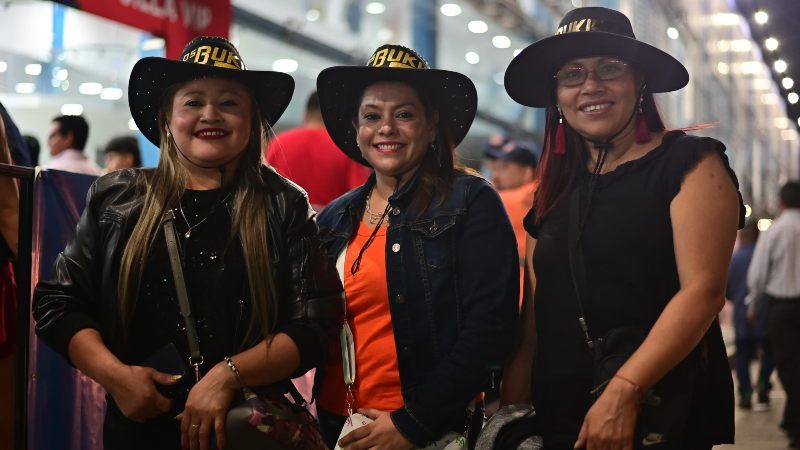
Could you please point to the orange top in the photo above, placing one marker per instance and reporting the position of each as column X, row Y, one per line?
column 518, row 201
column 377, row 383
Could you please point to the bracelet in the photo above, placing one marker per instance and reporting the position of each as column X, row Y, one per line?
column 636, row 387
column 234, row 369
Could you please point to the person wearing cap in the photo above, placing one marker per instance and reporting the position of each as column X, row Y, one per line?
column 122, row 152
column 425, row 250
column 655, row 215
column 263, row 298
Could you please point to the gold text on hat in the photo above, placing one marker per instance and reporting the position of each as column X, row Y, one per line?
column 575, row 26
column 221, row 57
column 393, row 57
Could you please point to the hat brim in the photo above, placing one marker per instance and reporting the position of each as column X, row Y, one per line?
column 339, row 88
column 529, row 77
column 152, row 76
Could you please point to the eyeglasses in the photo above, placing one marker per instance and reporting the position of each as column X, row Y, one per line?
column 576, row 75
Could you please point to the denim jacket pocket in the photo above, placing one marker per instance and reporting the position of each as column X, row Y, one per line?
column 433, row 241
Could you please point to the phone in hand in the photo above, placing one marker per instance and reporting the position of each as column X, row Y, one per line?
column 167, row 360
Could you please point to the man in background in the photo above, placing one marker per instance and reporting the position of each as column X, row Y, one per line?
column 122, row 152
column 68, row 135
column 750, row 337
column 774, row 284
column 308, row 157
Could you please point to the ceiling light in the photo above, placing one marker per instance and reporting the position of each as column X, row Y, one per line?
column 762, row 84
column 375, row 8
column 761, row 17
column 450, row 9
column 111, row 94
column 501, row 41
column 517, row 51
column 723, row 68
column 763, row 224
column 33, row 69
column 312, row 15
column 62, row 74
column 132, row 125
column 780, row 66
column 793, row 97
column 798, row 121
column 472, row 58
column 747, row 211
column 741, row 45
column 673, row 33
column 152, row 44
column 724, row 46
column 71, row 109
column 478, row 26
column 781, row 122
column 285, row 65
column 3, row 66
column 577, row 3
column 724, row 19
column 90, row 88
column 25, row 88
column 771, row 44
column 787, row 83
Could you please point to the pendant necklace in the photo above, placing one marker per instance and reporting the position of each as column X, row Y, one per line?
column 210, row 212
column 373, row 217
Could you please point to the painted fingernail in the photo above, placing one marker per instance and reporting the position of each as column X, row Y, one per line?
column 175, row 377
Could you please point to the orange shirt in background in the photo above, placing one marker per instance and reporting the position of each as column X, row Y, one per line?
column 518, row 201
column 377, row 383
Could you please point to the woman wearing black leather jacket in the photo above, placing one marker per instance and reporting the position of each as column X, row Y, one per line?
column 258, row 282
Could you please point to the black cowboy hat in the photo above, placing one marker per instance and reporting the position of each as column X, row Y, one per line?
column 585, row 32
column 207, row 56
column 452, row 94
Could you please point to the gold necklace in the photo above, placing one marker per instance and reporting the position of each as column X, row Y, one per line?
column 373, row 217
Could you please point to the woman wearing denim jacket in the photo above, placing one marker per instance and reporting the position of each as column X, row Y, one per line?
column 425, row 250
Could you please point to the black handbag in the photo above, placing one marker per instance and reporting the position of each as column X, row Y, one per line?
column 263, row 418
column 665, row 408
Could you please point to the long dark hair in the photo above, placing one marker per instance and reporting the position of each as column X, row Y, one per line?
column 556, row 173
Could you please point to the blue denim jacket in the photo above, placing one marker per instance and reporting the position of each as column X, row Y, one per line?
column 453, row 282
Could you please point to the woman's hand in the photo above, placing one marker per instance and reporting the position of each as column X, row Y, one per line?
column 610, row 422
column 380, row 434
column 134, row 391
column 206, row 408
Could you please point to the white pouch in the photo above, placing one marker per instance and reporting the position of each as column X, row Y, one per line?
column 450, row 441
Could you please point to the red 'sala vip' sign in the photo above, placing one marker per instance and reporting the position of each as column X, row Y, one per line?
column 177, row 21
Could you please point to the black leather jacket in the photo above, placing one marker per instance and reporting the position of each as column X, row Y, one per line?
column 82, row 292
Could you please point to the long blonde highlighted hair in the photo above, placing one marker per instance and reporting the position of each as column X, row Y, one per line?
column 163, row 191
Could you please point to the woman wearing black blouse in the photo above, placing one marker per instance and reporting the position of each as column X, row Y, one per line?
column 260, row 289
column 657, row 219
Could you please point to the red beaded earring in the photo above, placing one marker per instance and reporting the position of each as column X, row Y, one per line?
column 642, row 133
column 560, row 146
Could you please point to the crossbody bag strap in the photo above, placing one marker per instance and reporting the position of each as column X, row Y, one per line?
column 576, row 263
column 195, row 357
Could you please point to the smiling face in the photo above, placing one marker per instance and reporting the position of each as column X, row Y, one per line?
column 595, row 108
column 210, row 121
column 393, row 129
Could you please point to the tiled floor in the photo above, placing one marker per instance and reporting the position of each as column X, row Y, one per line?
column 759, row 430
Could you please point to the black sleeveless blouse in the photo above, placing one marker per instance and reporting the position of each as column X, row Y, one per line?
column 631, row 275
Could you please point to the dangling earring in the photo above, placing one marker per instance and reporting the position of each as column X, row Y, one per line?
column 642, row 133
column 435, row 151
column 560, row 146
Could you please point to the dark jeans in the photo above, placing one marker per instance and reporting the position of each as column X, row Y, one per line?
column 745, row 352
column 784, row 333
